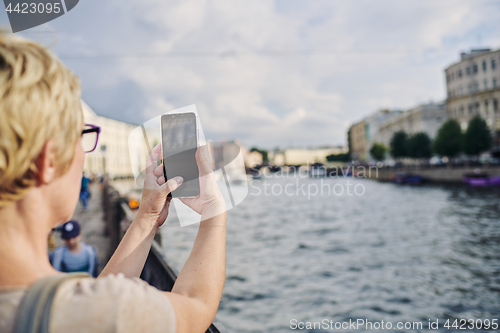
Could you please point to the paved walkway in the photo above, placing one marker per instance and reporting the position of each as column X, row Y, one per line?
column 93, row 225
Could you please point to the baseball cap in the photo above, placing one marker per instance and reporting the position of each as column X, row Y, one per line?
column 70, row 229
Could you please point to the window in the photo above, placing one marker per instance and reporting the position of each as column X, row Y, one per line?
column 460, row 71
column 470, row 109
column 486, row 108
column 462, row 110
column 484, row 65
column 485, row 84
column 467, row 70
column 493, row 64
column 495, row 105
column 494, row 83
column 474, row 68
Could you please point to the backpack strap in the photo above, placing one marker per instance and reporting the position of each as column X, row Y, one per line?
column 33, row 314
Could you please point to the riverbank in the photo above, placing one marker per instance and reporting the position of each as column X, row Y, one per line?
column 433, row 175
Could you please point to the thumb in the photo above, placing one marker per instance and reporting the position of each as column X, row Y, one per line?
column 174, row 183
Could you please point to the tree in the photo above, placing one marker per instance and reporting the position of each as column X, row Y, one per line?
column 419, row 145
column 477, row 137
column 448, row 140
column 399, row 144
column 338, row 158
column 378, row 151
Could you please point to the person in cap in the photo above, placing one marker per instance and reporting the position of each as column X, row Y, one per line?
column 74, row 255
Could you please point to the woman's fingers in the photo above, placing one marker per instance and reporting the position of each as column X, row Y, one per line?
column 156, row 152
column 203, row 163
column 173, row 183
column 153, row 158
column 158, row 171
column 161, row 180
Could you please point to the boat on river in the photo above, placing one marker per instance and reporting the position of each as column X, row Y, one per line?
column 406, row 178
column 481, row 179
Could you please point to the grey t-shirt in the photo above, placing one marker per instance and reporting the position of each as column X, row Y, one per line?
column 108, row 304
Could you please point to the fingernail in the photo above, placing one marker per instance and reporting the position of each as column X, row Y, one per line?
column 179, row 180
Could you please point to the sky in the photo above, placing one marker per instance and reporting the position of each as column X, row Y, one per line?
column 270, row 73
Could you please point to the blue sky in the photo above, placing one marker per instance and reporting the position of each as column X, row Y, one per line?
column 270, row 73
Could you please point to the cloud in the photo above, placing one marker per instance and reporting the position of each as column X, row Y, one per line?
column 267, row 72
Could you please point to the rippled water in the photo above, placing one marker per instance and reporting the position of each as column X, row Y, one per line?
column 395, row 253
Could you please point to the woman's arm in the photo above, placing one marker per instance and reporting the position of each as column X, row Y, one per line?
column 197, row 291
column 198, row 288
column 131, row 254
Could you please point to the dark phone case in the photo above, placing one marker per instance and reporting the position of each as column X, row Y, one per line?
column 194, row 191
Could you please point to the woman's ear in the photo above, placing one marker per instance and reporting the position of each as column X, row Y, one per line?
column 46, row 163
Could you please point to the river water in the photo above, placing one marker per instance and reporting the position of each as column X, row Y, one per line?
column 385, row 252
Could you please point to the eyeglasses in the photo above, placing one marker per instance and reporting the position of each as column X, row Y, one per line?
column 89, row 141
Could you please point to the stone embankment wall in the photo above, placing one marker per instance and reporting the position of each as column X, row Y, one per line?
column 435, row 175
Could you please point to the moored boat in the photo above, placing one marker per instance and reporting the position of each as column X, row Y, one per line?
column 481, row 179
column 406, row 178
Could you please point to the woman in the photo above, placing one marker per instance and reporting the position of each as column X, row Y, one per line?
column 41, row 163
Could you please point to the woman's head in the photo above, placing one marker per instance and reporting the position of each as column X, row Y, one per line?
column 39, row 107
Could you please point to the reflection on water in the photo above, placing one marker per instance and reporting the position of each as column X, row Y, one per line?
column 395, row 254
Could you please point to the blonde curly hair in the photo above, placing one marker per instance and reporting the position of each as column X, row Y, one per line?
column 39, row 101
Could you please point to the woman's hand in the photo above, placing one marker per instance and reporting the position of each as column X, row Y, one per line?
column 154, row 202
column 210, row 202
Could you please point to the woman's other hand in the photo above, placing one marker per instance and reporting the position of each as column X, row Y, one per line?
column 210, row 202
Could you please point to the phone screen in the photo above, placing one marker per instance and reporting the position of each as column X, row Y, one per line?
column 179, row 144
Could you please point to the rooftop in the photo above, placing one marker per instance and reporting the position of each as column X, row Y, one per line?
column 473, row 53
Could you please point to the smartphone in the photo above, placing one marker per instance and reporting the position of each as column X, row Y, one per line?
column 179, row 144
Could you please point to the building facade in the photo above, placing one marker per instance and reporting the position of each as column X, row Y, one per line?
column 373, row 125
column 473, row 88
column 381, row 126
column 111, row 155
column 357, row 141
column 426, row 118
column 309, row 156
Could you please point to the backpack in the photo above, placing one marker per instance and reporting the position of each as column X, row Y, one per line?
column 33, row 314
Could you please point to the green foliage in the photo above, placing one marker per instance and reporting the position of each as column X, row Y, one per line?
column 419, row 146
column 338, row 158
column 477, row 137
column 378, row 151
column 399, row 144
column 448, row 140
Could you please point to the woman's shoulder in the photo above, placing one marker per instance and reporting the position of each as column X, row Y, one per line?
column 112, row 303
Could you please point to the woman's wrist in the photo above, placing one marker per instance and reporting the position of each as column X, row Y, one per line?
column 214, row 208
column 146, row 221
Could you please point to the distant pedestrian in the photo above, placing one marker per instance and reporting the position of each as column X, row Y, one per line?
column 85, row 191
column 74, row 255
